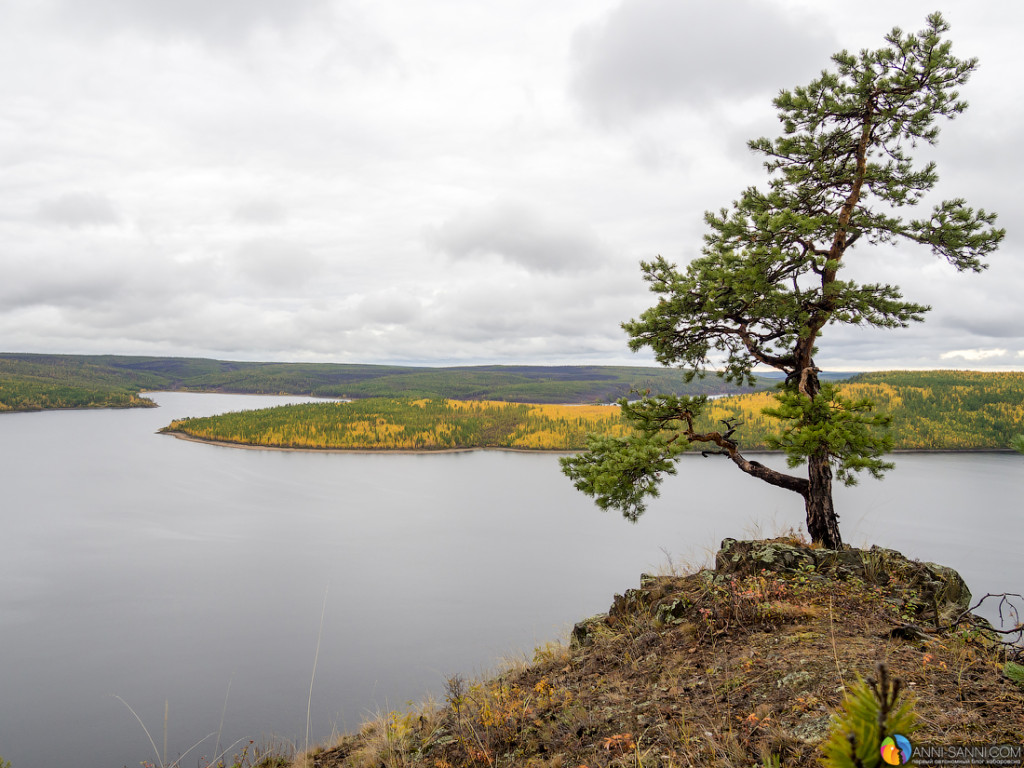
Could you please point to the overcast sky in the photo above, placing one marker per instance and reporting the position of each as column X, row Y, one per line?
column 441, row 182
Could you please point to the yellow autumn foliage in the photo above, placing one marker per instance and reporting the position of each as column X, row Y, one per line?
column 422, row 424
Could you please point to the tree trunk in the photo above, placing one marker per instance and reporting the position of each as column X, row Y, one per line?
column 822, row 520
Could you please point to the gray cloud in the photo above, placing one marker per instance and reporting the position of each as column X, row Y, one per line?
column 971, row 158
column 1005, row 322
column 518, row 235
column 649, row 55
column 507, row 313
column 78, row 209
column 985, row 310
column 276, row 264
column 390, row 307
column 65, row 288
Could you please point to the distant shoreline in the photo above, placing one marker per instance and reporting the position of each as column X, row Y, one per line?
column 105, row 407
column 557, row 451
column 418, row 451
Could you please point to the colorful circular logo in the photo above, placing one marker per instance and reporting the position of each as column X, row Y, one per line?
column 896, row 749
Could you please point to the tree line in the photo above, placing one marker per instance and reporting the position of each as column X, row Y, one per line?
column 409, row 424
column 929, row 410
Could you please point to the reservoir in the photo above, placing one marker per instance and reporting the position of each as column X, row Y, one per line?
column 200, row 581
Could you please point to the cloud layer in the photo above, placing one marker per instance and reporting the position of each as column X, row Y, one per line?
column 440, row 183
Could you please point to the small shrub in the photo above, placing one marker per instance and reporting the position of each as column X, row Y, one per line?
column 1011, row 669
column 872, row 711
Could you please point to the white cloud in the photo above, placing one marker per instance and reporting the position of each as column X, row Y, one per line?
column 974, row 355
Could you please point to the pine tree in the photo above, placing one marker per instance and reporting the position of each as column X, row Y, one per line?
column 768, row 282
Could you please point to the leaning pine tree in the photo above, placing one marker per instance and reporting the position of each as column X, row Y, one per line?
column 769, row 280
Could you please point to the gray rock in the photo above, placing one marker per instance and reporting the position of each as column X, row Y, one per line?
column 934, row 592
column 743, row 558
column 794, row 679
column 583, row 632
column 812, row 728
column 673, row 612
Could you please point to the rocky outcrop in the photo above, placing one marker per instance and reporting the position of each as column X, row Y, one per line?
column 930, row 593
column 934, row 591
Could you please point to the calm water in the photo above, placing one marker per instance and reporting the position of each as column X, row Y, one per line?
column 193, row 576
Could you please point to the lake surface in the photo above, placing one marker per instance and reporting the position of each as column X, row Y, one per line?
column 194, row 577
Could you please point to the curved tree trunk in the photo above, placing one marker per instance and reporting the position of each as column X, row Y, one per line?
column 822, row 520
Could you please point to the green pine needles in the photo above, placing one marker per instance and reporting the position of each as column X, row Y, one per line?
column 769, row 280
column 873, row 714
column 842, row 427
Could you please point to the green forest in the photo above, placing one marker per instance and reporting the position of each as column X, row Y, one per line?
column 32, row 382
column 930, row 410
column 45, row 382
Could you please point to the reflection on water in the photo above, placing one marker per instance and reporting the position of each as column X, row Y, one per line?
column 161, row 570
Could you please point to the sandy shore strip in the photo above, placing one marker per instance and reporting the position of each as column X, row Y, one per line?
column 417, row 451
column 561, row 452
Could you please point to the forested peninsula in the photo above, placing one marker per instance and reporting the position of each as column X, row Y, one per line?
column 930, row 410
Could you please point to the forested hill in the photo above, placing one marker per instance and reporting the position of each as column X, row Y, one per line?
column 930, row 410
column 38, row 382
column 33, row 382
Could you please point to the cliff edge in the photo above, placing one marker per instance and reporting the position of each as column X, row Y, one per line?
column 742, row 665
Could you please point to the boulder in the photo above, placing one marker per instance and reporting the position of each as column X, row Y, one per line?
column 583, row 632
column 936, row 592
column 745, row 558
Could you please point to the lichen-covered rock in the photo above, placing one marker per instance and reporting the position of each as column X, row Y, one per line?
column 812, row 728
column 672, row 611
column 934, row 592
column 744, row 558
column 950, row 588
column 842, row 562
column 630, row 603
column 922, row 593
column 583, row 632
